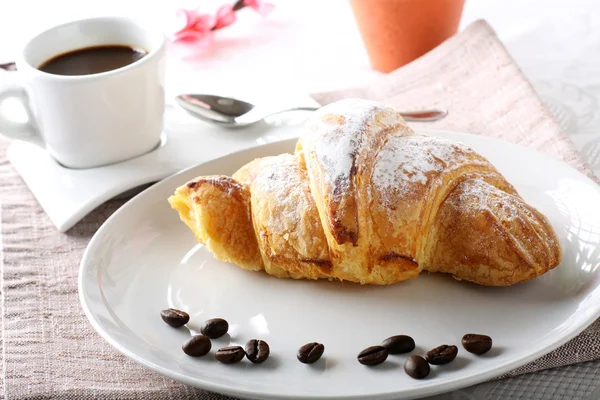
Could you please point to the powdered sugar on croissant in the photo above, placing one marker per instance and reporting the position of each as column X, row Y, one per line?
column 365, row 199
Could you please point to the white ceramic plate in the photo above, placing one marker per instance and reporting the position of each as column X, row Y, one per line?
column 144, row 259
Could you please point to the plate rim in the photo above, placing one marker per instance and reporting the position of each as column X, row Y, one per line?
column 429, row 390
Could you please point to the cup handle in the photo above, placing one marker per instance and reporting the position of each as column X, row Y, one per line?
column 26, row 131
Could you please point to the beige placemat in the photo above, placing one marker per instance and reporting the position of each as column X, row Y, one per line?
column 51, row 351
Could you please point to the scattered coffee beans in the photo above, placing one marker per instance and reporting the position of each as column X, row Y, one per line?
column 174, row 318
column 477, row 344
column 257, row 351
column 399, row 344
column 197, row 346
column 230, row 354
column 373, row 355
column 214, row 328
column 441, row 355
column 416, row 367
column 310, row 352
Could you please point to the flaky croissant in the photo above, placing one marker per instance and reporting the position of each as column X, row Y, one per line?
column 365, row 199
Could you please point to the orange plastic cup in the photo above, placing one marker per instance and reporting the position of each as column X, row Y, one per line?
column 395, row 32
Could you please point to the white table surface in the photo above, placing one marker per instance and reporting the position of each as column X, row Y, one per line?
column 313, row 45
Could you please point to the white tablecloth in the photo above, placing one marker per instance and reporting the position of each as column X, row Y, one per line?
column 312, row 45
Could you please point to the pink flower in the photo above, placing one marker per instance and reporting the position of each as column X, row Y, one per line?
column 197, row 28
column 225, row 16
column 262, row 7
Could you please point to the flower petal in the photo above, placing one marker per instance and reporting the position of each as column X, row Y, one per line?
column 265, row 8
column 200, row 39
column 188, row 17
column 225, row 16
column 262, row 7
column 193, row 20
column 203, row 22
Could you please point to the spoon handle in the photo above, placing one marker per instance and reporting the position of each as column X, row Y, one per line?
column 409, row 116
column 424, row 115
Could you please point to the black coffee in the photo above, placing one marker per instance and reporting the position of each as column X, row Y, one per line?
column 92, row 60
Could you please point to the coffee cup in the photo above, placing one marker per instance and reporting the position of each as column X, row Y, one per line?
column 95, row 116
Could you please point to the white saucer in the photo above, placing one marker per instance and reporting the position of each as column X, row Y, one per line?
column 67, row 195
column 144, row 259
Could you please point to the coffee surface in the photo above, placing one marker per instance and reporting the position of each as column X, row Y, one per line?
column 92, row 60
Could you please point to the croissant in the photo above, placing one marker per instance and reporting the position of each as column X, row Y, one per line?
column 365, row 199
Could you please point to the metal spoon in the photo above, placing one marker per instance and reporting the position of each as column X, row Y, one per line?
column 232, row 112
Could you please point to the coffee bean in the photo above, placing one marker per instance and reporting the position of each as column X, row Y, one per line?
column 230, row 354
column 416, row 367
column 373, row 355
column 257, row 351
column 174, row 317
column 310, row 352
column 214, row 328
column 441, row 355
column 399, row 344
column 477, row 344
column 197, row 346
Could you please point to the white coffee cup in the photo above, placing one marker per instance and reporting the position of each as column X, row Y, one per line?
column 92, row 120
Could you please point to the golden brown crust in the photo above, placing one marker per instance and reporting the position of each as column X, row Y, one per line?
column 217, row 210
column 339, row 145
column 286, row 221
column 365, row 199
column 483, row 235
